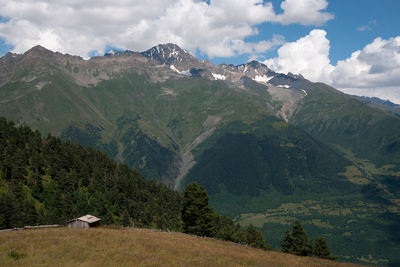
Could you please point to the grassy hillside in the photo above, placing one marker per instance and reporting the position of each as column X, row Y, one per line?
column 135, row 247
column 340, row 120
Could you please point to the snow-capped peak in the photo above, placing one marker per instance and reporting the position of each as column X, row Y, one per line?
column 170, row 54
column 165, row 51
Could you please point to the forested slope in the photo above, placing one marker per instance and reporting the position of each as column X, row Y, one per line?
column 46, row 180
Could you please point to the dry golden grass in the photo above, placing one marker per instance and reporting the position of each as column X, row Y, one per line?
column 135, row 247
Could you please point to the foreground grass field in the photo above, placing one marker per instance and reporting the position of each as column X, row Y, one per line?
column 134, row 247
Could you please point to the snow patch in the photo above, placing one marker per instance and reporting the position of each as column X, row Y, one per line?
column 304, row 91
column 172, row 67
column 283, row 86
column 174, row 53
column 218, row 76
column 263, row 78
column 185, row 72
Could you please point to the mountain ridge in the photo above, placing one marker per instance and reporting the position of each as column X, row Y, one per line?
column 176, row 57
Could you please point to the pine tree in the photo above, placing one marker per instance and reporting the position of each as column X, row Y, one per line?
column 197, row 216
column 255, row 238
column 224, row 228
column 296, row 241
column 321, row 249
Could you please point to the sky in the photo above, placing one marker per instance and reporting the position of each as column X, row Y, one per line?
column 353, row 46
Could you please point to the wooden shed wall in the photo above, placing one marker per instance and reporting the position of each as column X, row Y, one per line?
column 78, row 224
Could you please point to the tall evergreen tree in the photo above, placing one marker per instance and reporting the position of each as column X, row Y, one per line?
column 321, row 249
column 224, row 228
column 255, row 238
column 197, row 216
column 296, row 241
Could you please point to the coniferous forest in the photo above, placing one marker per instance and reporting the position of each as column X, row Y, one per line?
column 45, row 180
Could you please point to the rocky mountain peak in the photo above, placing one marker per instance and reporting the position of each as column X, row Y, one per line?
column 256, row 64
column 295, row 76
column 39, row 50
column 165, row 52
column 115, row 52
column 254, row 67
column 172, row 55
column 254, row 70
column 9, row 57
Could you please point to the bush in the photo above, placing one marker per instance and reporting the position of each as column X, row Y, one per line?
column 16, row 255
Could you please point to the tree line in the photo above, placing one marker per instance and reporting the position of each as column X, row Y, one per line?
column 45, row 180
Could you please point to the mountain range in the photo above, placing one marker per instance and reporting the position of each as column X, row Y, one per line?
column 269, row 147
column 385, row 105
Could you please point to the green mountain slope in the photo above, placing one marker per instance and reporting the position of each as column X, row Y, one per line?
column 270, row 148
column 340, row 120
column 46, row 180
column 128, row 116
column 268, row 153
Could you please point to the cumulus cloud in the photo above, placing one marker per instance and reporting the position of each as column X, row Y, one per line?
column 308, row 55
column 377, row 64
column 372, row 71
column 219, row 28
column 308, row 12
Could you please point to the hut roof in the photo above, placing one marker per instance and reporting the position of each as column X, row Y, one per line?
column 87, row 218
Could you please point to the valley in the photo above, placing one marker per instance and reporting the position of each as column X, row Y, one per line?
column 269, row 148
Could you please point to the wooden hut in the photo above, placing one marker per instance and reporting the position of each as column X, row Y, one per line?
column 84, row 222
